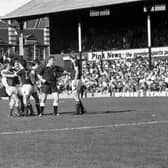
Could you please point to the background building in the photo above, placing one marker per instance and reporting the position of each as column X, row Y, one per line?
column 36, row 38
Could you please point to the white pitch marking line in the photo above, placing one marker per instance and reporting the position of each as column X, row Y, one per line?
column 84, row 127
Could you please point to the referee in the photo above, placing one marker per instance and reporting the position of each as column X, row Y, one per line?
column 47, row 74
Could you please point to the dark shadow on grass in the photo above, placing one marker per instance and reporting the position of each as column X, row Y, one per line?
column 119, row 111
column 109, row 112
column 95, row 112
column 60, row 113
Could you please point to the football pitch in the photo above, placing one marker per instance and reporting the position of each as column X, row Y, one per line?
column 114, row 133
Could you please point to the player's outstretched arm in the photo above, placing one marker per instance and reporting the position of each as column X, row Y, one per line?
column 8, row 74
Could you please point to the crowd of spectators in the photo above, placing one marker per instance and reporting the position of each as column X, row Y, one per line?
column 126, row 75
column 122, row 75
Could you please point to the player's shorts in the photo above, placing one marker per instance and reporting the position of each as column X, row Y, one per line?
column 49, row 88
column 11, row 90
column 19, row 90
column 27, row 89
column 76, row 85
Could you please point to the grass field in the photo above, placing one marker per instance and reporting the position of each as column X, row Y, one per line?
column 114, row 133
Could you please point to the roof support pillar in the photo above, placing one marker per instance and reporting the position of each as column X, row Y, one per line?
column 149, row 39
column 149, row 35
column 34, row 51
column 79, row 37
column 80, row 46
column 21, row 40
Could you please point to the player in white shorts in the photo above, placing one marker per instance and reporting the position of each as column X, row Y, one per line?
column 10, row 82
column 28, row 88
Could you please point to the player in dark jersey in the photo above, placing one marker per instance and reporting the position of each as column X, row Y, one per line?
column 35, row 82
column 34, row 69
column 28, row 88
column 48, row 76
column 76, row 84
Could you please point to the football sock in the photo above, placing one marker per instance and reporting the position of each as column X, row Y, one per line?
column 55, row 108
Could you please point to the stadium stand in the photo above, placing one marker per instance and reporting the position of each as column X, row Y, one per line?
column 116, row 31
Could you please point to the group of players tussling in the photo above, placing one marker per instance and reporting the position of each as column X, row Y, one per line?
column 21, row 82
